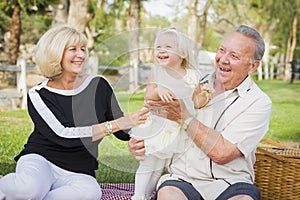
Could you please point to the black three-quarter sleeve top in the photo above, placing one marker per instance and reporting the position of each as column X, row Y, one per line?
column 62, row 123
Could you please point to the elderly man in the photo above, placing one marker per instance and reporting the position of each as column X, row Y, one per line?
column 220, row 153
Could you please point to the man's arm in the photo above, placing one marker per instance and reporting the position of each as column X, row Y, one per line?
column 208, row 140
column 211, row 142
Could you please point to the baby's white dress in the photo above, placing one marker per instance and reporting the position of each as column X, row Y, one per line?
column 163, row 137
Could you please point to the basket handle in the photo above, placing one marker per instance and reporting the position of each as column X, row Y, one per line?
column 260, row 149
column 278, row 157
column 266, row 140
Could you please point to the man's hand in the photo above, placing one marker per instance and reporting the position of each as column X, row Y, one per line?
column 175, row 110
column 137, row 148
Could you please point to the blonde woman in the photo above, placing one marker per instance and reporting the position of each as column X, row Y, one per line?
column 71, row 112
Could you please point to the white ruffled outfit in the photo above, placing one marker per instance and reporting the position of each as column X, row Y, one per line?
column 163, row 137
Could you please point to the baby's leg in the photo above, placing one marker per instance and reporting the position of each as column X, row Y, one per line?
column 147, row 176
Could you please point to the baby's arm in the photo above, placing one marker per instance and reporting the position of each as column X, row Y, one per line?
column 157, row 92
column 201, row 95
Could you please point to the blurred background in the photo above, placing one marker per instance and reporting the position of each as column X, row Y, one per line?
column 121, row 32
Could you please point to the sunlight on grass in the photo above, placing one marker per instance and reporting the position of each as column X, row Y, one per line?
column 285, row 117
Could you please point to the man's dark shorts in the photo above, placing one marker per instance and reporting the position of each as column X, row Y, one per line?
column 233, row 190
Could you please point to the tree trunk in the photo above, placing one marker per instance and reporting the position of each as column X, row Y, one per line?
column 203, row 20
column 133, row 26
column 13, row 43
column 294, row 38
column 291, row 49
column 287, row 65
column 15, row 31
column 78, row 16
column 280, row 67
column 192, row 25
column 60, row 13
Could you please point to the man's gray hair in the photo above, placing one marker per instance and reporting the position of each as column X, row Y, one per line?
column 252, row 33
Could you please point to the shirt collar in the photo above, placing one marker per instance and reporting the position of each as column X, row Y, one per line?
column 242, row 89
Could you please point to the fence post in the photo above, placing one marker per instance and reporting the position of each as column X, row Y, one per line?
column 280, row 68
column 21, row 82
column 259, row 72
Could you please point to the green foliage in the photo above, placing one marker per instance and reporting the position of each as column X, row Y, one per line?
column 36, row 5
column 212, row 40
column 4, row 25
column 33, row 26
column 278, row 16
column 5, row 21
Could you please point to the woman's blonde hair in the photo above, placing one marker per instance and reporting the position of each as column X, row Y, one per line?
column 185, row 46
column 51, row 46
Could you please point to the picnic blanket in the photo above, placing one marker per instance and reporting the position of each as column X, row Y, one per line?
column 117, row 191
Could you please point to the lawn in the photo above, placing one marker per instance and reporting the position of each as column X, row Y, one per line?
column 285, row 117
column 115, row 162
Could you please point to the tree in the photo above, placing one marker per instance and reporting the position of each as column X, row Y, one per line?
column 97, row 18
column 15, row 29
column 260, row 14
column 202, row 23
column 192, row 25
column 133, row 27
column 284, row 14
column 78, row 14
column 12, row 38
column 60, row 13
column 72, row 12
column 15, row 32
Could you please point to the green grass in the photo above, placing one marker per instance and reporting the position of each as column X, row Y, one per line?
column 285, row 117
column 116, row 164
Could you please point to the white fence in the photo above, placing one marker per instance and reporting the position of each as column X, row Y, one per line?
column 9, row 98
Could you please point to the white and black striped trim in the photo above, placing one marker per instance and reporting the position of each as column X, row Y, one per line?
column 50, row 119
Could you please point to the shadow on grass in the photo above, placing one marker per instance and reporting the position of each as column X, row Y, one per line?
column 7, row 168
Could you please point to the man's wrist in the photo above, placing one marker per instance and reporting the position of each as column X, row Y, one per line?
column 187, row 122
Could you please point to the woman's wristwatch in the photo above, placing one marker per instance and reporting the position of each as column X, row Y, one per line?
column 186, row 123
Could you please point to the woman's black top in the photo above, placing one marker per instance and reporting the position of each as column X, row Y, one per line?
column 63, row 119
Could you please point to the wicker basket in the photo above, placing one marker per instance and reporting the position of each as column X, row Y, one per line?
column 277, row 171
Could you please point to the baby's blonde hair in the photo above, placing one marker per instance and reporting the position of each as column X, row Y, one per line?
column 51, row 46
column 185, row 46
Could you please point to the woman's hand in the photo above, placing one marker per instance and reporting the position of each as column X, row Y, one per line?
column 133, row 119
column 137, row 148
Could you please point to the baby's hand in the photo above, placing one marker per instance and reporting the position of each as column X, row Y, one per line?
column 165, row 94
column 202, row 95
